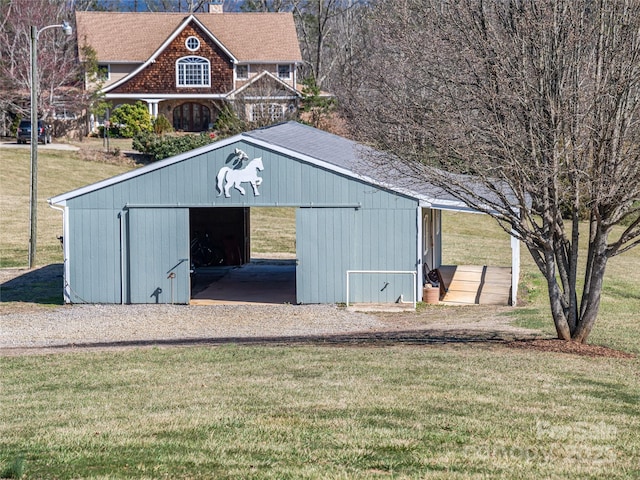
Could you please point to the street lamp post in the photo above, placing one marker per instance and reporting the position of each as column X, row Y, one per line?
column 33, row 199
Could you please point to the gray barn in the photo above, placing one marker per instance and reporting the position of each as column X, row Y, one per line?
column 127, row 239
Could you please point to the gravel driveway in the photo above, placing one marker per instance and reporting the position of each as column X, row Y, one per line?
column 30, row 328
column 90, row 324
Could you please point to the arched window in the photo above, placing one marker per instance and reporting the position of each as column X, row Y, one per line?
column 193, row 72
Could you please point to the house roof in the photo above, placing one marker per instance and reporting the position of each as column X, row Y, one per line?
column 308, row 144
column 133, row 37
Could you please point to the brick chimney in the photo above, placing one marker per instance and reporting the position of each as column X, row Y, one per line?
column 216, row 6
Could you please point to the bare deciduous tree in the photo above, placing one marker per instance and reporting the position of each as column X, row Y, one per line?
column 325, row 31
column 57, row 59
column 266, row 6
column 539, row 100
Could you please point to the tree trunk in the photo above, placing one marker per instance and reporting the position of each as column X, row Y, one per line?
column 558, row 311
column 591, row 298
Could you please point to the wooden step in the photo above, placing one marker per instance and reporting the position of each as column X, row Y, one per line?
column 475, row 284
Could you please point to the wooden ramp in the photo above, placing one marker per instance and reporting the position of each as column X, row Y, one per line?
column 476, row 285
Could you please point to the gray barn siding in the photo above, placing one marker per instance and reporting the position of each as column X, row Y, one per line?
column 94, row 239
column 387, row 242
column 158, row 245
column 332, row 241
column 285, row 182
column 325, row 249
column 381, row 234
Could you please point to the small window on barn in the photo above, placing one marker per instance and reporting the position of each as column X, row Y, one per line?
column 284, row 72
column 193, row 72
column 242, row 72
column 192, row 44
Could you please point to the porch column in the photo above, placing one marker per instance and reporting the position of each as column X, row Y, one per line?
column 152, row 105
column 515, row 268
column 420, row 247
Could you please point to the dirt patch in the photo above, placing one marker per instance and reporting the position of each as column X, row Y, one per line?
column 571, row 348
column 114, row 157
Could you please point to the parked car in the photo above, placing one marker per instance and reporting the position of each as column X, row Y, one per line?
column 23, row 134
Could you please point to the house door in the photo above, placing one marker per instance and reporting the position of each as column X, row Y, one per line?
column 191, row 117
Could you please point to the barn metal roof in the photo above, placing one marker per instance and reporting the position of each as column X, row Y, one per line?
column 362, row 161
column 308, row 144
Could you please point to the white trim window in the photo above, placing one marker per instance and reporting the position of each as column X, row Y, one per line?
column 267, row 111
column 284, row 72
column 242, row 72
column 192, row 44
column 193, row 72
column 103, row 73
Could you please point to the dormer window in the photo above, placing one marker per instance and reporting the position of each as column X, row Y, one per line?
column 242, row 72
column 193, row 72
column 103, row 73
column 192, row 44
column 284, row 72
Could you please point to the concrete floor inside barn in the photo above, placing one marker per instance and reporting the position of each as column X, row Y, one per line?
column 262, row 281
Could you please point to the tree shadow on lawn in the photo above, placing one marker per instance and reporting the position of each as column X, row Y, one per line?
column 355, row 339
column 42, row 285
column 366, row 339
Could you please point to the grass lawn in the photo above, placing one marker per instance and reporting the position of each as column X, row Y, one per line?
column 58, row 172
column 453, row 411
column 462, row 410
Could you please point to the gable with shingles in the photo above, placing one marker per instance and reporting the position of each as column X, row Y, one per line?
column 133, row 37
column 159, row 76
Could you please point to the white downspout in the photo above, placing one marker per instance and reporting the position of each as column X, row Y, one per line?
column 123, row 267
column 65, row 251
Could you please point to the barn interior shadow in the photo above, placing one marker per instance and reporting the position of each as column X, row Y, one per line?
column 42, row 285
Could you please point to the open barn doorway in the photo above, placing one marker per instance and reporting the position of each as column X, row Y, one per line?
column 219, row 237
column 243, row 255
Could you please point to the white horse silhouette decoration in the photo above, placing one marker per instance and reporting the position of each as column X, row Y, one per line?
column 234, row 177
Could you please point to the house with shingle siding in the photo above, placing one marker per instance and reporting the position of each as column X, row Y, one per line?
column 188, row 67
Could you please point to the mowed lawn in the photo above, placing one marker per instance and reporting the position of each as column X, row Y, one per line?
column 59, row 171
column 460, row 410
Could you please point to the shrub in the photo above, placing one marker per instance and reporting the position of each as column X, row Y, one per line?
column 314, row 105
column 162, row 126
column 159, row 147
column 229, row 124
column 14, row 126
column 128, row 120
